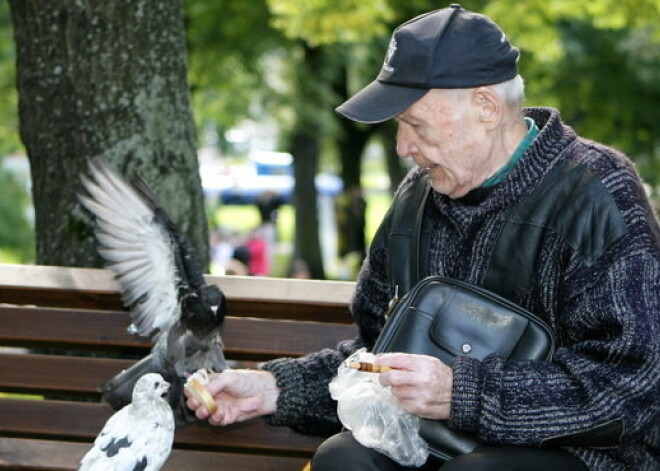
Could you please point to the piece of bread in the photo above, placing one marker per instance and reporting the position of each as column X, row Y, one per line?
column 195, row 387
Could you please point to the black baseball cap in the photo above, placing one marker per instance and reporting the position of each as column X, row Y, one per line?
column 447, row 48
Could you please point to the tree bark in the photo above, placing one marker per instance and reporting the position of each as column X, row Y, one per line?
column 395, row 169
column 351, row 144
column 305, row 148
column 104, row 78
column 353, row 137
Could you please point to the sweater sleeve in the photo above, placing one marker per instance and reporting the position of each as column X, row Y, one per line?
column 602, row 386
column 304, row 403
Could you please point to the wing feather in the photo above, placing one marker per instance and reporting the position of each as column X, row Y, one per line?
column 141, row 437
column 136, row 248
column 114, row 241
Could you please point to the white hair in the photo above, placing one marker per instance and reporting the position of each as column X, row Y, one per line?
column 511, row 91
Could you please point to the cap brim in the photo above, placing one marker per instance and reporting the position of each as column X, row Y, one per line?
column 378, row 102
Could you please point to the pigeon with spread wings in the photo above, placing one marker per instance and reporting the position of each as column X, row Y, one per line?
column 160, row 282
column 139, row 436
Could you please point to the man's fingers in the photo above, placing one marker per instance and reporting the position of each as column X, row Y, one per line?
column 216, row 419
column 215, row 386
column 223, row 416
column 201, row 413
column 396, row 360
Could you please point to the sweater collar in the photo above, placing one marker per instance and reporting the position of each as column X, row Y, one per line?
column 532, row 132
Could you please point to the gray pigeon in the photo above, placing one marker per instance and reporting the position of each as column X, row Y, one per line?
column 160, row 283
column 138, row 437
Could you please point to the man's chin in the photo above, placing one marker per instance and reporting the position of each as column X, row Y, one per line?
column 450, row 191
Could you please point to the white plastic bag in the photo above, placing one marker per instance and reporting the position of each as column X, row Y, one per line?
column 374, row 416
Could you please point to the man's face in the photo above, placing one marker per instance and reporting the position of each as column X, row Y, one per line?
column 441, row 131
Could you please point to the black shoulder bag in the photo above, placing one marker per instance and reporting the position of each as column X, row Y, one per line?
column 446, row 318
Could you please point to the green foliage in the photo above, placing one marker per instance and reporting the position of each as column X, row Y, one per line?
column 599, row 63
column 9, row 141
column 609, row 88
column 533, row 24
column 323, row 22
column 16, row 233
column 229, row 45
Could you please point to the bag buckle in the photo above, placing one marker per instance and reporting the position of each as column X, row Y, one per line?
column 393, row 302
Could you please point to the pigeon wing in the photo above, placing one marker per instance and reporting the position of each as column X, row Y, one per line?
column 136, row 247
column 154, row 439
column 184, row 253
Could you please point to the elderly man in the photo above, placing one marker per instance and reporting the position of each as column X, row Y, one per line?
column 450, row 79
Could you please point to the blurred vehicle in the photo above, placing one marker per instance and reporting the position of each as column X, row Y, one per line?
column 264, row 172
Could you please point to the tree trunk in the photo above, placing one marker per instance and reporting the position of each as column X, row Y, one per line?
column 351, row 144
column 104, row 78
column 305, row 148
column 353, row 137
column 395, row 169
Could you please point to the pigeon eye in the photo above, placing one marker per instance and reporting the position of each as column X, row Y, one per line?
column 156, row 384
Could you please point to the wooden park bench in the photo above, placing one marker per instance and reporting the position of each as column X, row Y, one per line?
column 46, row 311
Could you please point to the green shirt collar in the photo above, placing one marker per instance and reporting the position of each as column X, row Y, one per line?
column 532, row 132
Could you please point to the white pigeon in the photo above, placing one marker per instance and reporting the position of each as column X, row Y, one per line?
column 139, row 436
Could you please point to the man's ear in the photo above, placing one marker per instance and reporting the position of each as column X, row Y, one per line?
column 488, row 105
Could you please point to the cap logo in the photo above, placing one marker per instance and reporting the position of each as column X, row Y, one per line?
column 390, row 54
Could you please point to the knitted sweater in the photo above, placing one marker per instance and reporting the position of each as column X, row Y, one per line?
column 605, row 313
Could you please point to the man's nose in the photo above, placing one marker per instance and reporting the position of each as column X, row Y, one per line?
column 404, row 146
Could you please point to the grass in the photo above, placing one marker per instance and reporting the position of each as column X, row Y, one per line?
column 22, row 396
column 8, row 256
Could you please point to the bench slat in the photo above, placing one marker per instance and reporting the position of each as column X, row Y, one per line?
column 284, row 338
column 64, row 375
column 92, row 288
column 48, row 374
column 290, row 310
column 66, row 328
column 106, row 330
column 64, row 420
column 19, row 454
column 322, row 312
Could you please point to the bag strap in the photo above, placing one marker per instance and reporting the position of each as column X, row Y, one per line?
column 407, row 240
column 557, row 204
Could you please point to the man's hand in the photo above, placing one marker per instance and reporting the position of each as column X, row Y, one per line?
column 422, row 384
column 240, row 395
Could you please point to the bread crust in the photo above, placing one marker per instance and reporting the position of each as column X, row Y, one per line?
column 199, row 392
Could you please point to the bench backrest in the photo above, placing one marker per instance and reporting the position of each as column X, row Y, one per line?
column 63, row 334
